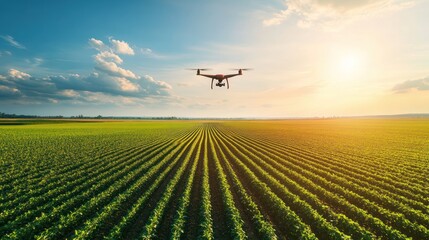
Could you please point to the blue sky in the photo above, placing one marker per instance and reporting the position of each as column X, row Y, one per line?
column 310, row 57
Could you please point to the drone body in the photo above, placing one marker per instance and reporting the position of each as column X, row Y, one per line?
column 220, row 77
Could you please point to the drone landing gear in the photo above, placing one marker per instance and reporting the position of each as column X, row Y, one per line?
column 212, row 82
column 227, row 83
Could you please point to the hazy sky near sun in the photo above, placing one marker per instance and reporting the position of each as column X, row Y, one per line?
column 128, row 58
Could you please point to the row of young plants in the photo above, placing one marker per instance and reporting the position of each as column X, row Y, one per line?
column 235, row 223
column 74, row 210
column 51, row 151
column 264, row 228
column 149, row 230
column 377, row 163
column 319, row 225
column 74, row 180
column 340, row 221
column 334, row 201
column 118, row 231
column 178, row 226
column 362, row 173
column 28, row 210
column 284, row 217
column 39, row 175
column 408, row 227
column 95, row 228
column 349, row 165
column 385, row 167
column 150, row 166
column 205, row 213
column 388, row 200
column 330, row 166
column 356, row 193
column 44, row 180
column 39, row 154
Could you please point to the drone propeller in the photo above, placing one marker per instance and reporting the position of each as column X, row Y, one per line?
column 243, row 69
column 201, row 69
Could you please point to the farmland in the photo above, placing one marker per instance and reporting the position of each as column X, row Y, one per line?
column 294, row 179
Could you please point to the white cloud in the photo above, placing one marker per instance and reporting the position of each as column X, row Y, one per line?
column 107, row 61
column 112, row 69
column 18, row 74
column 97, row 44
column 8, row 89
column 108, row 56
column 158, row 83
column 12, row 42
column 109, row 83
column 74, row 75
column 69, row 93
column 112, row 76
column 126, row 85
column 333, row 14
column 121, row 47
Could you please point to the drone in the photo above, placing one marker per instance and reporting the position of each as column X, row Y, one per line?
column 220, row 77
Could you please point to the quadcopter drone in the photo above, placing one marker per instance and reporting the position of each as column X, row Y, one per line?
column 220, row 77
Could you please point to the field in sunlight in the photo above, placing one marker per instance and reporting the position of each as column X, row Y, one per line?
column 295, row 179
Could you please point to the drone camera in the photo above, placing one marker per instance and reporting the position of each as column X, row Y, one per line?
column 220, row 84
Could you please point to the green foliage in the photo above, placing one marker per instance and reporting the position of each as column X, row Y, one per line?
column 297, row 179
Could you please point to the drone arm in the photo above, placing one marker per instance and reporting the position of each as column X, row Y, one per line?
column 232, row 75
column 206, row 75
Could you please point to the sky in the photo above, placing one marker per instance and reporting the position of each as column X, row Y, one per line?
column 309, row 58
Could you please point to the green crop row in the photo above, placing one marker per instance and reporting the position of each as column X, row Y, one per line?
column 297, row 179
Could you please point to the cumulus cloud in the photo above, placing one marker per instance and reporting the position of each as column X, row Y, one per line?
column 419, row 85
column 16, row 74
column 333, row 14
column 12, row 42
column 69, row 93
column 107, row 61
column 24, row 87
column 97, row 44
column 109, row 83
column 152, row 82
column 121, row 47
column 108, row 56
column 127, row 85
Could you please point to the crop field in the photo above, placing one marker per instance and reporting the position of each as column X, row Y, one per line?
column 291, row 179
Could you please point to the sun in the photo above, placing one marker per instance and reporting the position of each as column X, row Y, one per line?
column 346, row 65
column 350, row 64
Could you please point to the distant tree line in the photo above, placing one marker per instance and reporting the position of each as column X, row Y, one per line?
column 7, row 115
column 81, row 116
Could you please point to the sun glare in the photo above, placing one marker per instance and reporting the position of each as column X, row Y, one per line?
column 346, row 65
column 349, row 64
